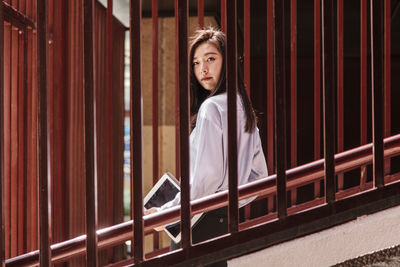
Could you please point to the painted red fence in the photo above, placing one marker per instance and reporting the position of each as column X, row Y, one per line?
column 27, row 122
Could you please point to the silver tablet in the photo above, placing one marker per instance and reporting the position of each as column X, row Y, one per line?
column 162, row 192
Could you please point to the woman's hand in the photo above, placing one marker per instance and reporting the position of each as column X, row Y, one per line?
column 153, row 210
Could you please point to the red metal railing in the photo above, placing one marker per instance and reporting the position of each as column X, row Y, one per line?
column 378, row 194
column 296, row 177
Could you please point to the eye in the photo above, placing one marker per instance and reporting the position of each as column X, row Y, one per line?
column 210, row 59
column 195, row 63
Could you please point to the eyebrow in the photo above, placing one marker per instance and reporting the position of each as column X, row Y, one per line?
column 206, row 54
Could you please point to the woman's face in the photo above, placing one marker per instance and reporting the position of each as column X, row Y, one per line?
column 207, row 64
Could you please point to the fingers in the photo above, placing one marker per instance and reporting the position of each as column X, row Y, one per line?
column 150, row 211
column 153, row 210
column 160, row 228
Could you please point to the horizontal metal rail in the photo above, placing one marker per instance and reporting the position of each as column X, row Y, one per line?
column 17, row 18
column 296, row 177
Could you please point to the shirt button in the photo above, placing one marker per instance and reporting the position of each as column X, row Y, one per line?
column 221, row 220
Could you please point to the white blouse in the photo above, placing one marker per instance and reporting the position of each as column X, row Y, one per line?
column 209, row 151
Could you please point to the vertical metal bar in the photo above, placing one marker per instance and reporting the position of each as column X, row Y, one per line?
column 27, row 8
column 317, row 87
column 270, row 86
column 109, row 111
column 231, row 85
column 328, row 77
column 270, row 203
column 200, row 13
column 2, row 172
column 34, row 8
column 28, row 137
column 293, row 82
column 223, row 15
column 28, row 4
column 136, row 127
column 155, row 102
column 247, row 56
column 280, row 108
column 26, row 140
column 22, row 6
column 363, row 83
column 317, row 78
column 247, row 212
column 183, row 81
column 44, row 177
column 7, row 133
column 90, row 127
column 13, row 140
column 177, row 89
column 35, row 136
column 340, row 117
column 246, row 18
column 20, row 141
column 317, row 189
column 109, row 107
column 30, row 176
column 293, row 196
column 51, row 122
column 377, row 71
column 387, row 69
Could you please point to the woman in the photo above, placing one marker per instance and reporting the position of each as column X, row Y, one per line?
column 209, row 135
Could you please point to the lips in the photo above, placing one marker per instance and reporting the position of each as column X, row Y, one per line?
column 206, row 78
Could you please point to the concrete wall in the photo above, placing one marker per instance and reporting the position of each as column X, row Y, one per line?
column 337, row 244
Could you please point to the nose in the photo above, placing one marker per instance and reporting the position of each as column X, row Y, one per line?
column 204, row 69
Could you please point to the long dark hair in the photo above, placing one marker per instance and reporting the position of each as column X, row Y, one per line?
column 198, row 94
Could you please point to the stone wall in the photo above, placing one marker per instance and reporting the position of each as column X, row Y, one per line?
column 337, row 244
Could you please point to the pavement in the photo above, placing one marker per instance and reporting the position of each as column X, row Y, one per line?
column 389, row 257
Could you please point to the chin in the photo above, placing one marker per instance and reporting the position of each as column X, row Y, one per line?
column 208, row 88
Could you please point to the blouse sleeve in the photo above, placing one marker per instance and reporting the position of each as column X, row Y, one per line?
column 207, row 157
column 259, row 166
column 207, row 166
